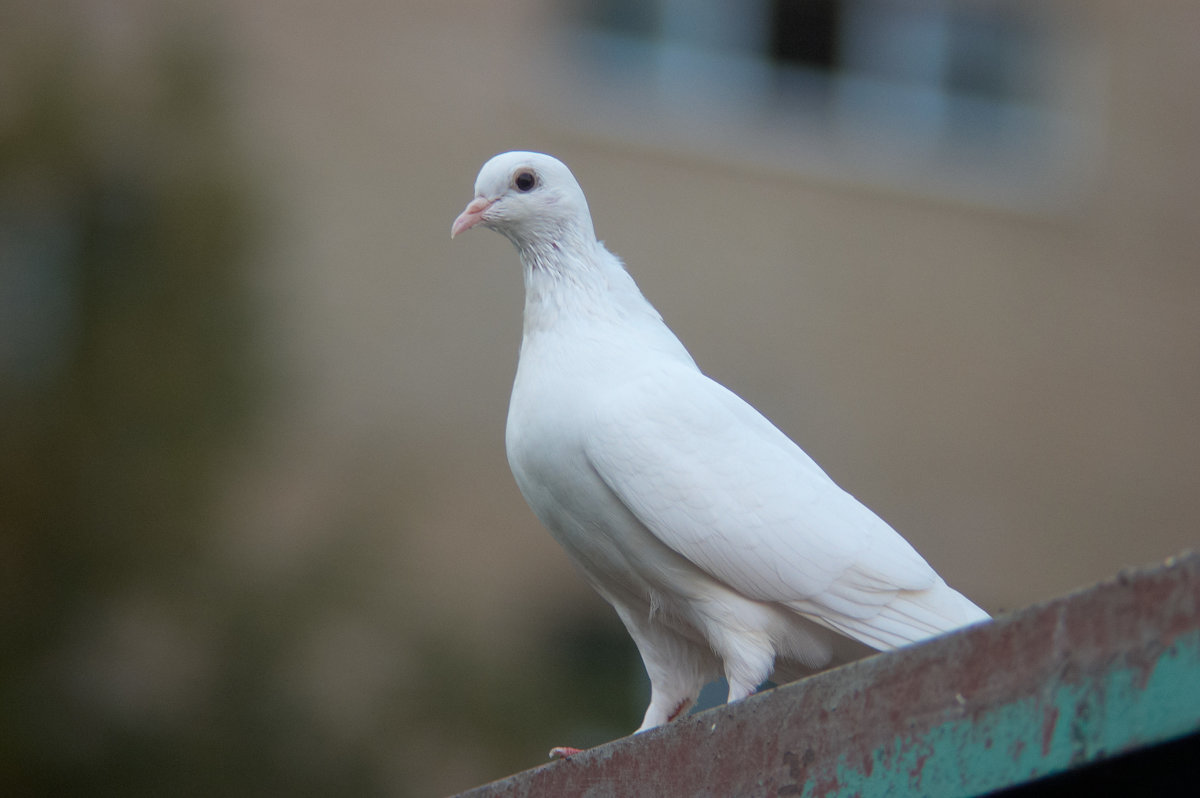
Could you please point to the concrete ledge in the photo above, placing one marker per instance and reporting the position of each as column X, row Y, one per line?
column 1110, row 669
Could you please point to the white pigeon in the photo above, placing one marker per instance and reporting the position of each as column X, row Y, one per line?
column 723, row 547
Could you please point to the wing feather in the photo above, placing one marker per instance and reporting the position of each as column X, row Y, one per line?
column 719, row 484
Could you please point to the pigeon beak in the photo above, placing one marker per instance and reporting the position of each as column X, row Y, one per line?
column 471, row 215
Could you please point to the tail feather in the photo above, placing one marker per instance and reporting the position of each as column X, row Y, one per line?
column 910, row 616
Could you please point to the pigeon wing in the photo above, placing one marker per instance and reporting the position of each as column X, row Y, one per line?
column 719, row 484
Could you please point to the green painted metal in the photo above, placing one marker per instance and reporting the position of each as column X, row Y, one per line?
column 1068, row 725
column 1108, row 670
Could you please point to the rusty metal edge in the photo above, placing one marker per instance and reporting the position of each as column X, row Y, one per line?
column 1093, row 674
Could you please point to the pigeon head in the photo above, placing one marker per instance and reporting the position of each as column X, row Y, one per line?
column 532, row 199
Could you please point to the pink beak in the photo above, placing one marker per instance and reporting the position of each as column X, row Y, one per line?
column 471, row 215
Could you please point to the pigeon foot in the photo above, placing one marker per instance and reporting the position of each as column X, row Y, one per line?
column 562, row 752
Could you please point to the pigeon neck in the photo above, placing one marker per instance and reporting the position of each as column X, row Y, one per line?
column 573, row 280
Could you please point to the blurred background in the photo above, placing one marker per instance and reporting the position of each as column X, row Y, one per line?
column 257, row 531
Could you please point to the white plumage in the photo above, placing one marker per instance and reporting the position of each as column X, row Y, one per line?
column 723, row 547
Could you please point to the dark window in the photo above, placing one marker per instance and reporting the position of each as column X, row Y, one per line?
column 966, row 98
column 804, row 33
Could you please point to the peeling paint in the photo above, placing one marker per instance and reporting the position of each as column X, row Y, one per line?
column 1121, row 710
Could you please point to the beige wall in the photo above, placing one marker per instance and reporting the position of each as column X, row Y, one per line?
column 1012, row 390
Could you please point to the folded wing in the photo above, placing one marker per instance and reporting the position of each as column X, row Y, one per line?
column 719, row 484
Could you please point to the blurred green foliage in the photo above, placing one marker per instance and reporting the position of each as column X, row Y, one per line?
column 126, row 376
column 132, row 662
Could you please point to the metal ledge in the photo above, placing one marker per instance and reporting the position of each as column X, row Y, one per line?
column 1108, row 670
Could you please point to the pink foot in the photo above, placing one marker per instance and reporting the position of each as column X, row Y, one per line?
column 562, row 752
column 680, row 709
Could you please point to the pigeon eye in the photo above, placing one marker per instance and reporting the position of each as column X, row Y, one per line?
column 525, row 181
